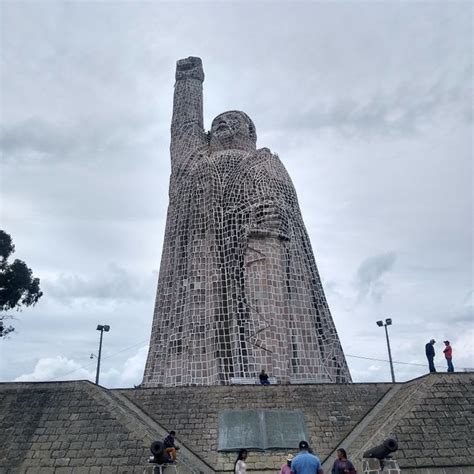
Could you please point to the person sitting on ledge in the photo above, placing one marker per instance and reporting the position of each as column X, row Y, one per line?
column 264, row 378
column 170, row 447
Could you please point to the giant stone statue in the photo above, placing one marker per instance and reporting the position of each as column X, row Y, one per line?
column 238, row 287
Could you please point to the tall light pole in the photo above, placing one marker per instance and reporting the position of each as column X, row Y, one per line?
column 388, row 322
column 100, row 328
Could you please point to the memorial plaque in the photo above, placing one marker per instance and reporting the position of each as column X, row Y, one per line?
column 284, row 429
column 260, row 429
column 240, row 429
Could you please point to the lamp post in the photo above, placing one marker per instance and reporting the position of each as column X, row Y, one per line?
column 101, row 328
column 388, row 322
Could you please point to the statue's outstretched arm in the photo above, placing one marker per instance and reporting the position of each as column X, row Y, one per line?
column 187, row 125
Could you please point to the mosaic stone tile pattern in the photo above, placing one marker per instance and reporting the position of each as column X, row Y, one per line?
column 238, row 287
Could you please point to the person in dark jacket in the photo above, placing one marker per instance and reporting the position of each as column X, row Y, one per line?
column 430, row 353
column 342, row 465
column 448, row 353
column 170, row 447
column 263, row 377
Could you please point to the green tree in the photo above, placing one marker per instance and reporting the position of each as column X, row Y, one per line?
column 18, row 287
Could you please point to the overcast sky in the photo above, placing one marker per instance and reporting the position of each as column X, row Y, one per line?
column 368, row 105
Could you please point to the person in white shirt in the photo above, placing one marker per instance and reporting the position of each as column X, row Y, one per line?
column 240, row 467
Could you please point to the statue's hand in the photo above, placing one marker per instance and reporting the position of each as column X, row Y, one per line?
column 189, row 68
column 270, row 216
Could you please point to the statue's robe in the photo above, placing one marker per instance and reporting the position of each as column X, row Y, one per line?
column 238, row 288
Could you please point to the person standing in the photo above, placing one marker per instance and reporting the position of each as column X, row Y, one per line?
column 448, row 353
column 342, row 465
column 305, row 462
column 430, row 353
column 240, row 467
column 286, row 468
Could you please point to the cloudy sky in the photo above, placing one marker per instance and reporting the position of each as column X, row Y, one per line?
column 368, row 104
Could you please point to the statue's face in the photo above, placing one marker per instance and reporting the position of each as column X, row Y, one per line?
column 229, row 124
column 231, row 129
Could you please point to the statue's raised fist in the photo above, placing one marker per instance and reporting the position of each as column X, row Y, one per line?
column 189, row 68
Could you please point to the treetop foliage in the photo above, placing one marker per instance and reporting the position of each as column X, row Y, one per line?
column 18, row 287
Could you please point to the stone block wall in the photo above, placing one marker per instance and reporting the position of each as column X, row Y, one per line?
column 431, row 418
column 438, row 427
column 77, row 427
column 70, row 427
column 330, row 412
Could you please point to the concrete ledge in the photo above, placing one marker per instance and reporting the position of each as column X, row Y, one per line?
column 251, row 381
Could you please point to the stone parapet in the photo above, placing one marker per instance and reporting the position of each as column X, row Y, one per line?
column 330, row 411
column 78, row 427
column 75, row 427
column 431, row 417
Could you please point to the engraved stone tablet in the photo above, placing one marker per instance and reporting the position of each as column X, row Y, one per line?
column 284, row 429
column 260, row 429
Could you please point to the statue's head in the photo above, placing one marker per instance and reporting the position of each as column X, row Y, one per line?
column 233, row 129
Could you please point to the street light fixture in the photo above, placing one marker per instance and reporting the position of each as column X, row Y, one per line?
column 388, row 322
column 101, row 328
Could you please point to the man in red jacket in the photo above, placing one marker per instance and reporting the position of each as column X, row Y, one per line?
column 448, row 353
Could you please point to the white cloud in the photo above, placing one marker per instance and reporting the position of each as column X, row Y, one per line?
column 114, row 283
column 132, row 372
column 462, row 343
column 61, row 368
column 56, row 368
column 370, row 275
